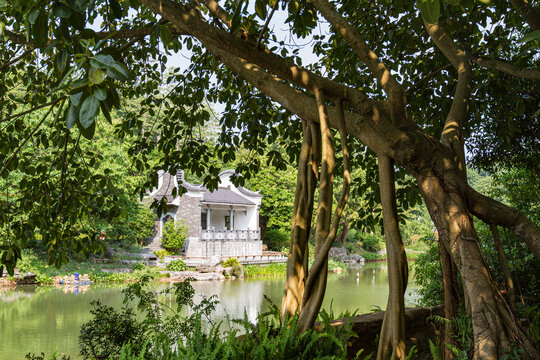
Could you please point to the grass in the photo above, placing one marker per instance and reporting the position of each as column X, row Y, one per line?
column 275, row 269
column 280, row 269
column 33, row 262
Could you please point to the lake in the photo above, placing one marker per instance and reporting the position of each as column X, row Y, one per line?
column 44, row 318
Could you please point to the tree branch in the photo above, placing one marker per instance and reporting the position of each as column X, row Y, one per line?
column 266, row 23
column 367, row 126
column 33, row 109
column 452, row 134
column 508, row 68
column 394, row 91
column 218, row 12
column 493, row 212
column 188, row 20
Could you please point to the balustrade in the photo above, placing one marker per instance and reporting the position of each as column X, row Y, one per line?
column 231, row 235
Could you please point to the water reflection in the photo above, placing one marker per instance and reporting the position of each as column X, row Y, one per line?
column 36, row 319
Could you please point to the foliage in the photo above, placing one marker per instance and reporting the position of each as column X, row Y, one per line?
column 138, row 266
column 41, row 356
column 427, row 275
column 277, row 187
column 165, row 334
column 33, row 261
column 109, row 330
column 174, row 235
column 230, row 262
column 276, row 239
column 162, row 253
column 176, row 265
column 275, row 269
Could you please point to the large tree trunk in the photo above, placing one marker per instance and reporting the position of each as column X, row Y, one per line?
column 392, row 339
column 494, row 326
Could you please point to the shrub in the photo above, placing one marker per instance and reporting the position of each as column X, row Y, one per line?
column 162, row 253
column 371, row 242
column 276, row 239
column 138, row 266
column 174, row 235
column 230, row 262
column 104, row 335
column 173, row 334
column 176, row 265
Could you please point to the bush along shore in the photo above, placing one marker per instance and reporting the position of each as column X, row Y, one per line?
column 33, row 269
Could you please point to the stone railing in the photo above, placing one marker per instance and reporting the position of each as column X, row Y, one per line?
column 230, row 235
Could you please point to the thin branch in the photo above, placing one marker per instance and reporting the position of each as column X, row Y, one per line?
column 508, row 68
column 427, row 77
column 11, row 62
column 266, row 24
column 33, row 109
column 27, row 138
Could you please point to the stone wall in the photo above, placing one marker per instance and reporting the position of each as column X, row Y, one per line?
column 190, row 211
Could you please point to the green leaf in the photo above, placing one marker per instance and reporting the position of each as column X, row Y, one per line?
column 119, row 71
column 32, row 17
column 40, row 30
column 260, row 9
column 88, row 112
column 102, row 61
column 116, row 9
column 106, row 111
column 100, row 93
column 96, row 76
column 72, row 115
column 88, row 132
column 76, row 98
column 61, row 60
column 535, row 35
column 79, row 83
column 165, row 34
column 452, row 2
column 62, row 11
column 429, row 9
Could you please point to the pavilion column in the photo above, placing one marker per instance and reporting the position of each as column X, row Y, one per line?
column 232, row 218
column 208, row 227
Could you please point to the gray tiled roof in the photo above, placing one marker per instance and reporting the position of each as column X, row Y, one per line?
column 166, row 188
column 247, row 192
column 225, row 196
column 220, row 196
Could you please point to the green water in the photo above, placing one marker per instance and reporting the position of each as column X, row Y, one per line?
column 42, row 319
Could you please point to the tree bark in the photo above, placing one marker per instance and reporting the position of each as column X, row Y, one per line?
column 494, row 325
column 450, row 290
column 392, row 338
column 301, row 224
column 505, row 269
